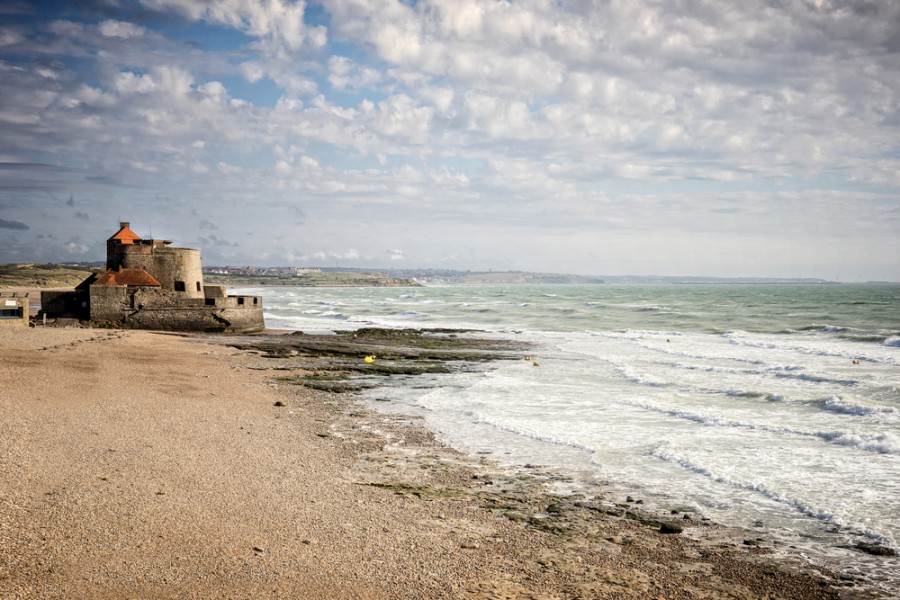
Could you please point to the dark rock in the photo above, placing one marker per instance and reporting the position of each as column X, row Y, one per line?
column 670, row 528
column 280, row 403
column 875, row 549
column 558, row 507
column 629, row 499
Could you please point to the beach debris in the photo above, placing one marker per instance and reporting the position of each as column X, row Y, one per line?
column 855, row 361
column 369, row 359
column 527, row 358
column 258, row 550
column 536, row 363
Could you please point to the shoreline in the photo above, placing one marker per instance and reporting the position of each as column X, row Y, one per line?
column 218, row 479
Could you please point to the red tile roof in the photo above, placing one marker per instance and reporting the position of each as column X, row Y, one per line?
column 125, row 236
column 135, row 277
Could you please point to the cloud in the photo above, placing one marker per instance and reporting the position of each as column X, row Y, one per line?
column 75, row 247
column 392, row 124
column 4, row 224
column 120, row 29
column 213, row 240
column 279, row 22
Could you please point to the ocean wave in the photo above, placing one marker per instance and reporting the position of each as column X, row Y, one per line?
column 837, row 405
column 813, row 348
column 854, row 334
column 332, row 314
column 770, row 396
column 812, row 378
column 764, row 490
column 715, row 369
column 642, row 379
column 525, row 432
column 803, row 507
column 880, row 444
column 892, row 342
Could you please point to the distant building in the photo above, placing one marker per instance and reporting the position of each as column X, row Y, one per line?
column 149, row 284
column 14, row 309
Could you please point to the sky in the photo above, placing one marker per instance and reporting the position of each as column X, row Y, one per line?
column 606, row 137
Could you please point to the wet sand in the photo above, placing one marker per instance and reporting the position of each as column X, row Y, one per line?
column 145, row 465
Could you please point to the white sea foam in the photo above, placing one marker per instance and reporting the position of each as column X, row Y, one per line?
column 804, row 507
column 879, row 443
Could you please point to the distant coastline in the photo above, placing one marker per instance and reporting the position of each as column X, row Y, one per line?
column 35, row 275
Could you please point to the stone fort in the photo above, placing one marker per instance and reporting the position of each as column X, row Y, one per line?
column 149, row 284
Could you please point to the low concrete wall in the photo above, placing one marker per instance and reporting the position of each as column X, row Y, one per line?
column 14, row 309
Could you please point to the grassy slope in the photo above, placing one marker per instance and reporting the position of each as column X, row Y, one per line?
column 41, row 276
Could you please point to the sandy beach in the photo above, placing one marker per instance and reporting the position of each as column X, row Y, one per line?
column 145, row 465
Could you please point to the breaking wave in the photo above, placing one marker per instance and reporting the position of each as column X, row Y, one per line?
column 880, row 444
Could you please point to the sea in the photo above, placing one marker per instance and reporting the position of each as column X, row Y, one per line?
column 772, row 408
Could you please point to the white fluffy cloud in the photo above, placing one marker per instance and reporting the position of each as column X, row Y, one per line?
column 565, row 124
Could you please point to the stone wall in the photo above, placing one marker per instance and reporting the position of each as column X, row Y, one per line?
column 208, row 319
column 151, row 308
column 109, row 302
column 214, row 291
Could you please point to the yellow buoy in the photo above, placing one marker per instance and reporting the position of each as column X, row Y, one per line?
column 536, row 363
column 527, row 358
column 369, row 359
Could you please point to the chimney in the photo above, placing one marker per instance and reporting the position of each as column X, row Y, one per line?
column 124, row 224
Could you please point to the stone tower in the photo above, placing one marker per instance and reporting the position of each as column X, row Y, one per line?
column 176, row 269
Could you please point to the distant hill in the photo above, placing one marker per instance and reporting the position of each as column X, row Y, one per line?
column 31, row 275
column 498, row 277
column 312, row 278
column 512, row 277
column 54, row 275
